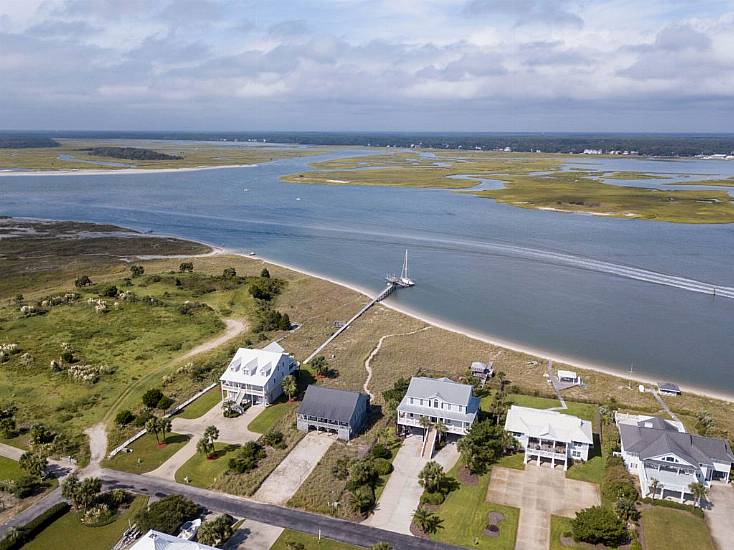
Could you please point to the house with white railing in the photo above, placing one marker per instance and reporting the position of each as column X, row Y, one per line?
column 667, row 460
column 549, row 437
column 437, row 399
column 255, row 376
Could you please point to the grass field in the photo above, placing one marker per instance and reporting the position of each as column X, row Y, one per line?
column 661, row 526
column 202, row 405
column 147, row 455
column 584, row 411
column 530, row 181
column 272, row 415
column 67, row 533
column 310, row 542
column 202, row 471
column 464, row 515
column 9, row 469
column 512, row 461
column 194, row 154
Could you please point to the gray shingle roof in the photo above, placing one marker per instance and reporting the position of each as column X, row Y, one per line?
column 332, row 404
column 448, row 390
column 696, row 449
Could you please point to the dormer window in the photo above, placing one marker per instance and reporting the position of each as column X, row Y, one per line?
column 435, row 403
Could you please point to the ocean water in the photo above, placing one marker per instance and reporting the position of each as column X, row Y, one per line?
column 609, row 292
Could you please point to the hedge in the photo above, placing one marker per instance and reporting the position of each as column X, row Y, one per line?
column 672, row 504
column 25, row 533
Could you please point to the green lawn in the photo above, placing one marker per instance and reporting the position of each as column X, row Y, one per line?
column 464, row 515
column 513, row 461
column 591, row 471
column 559, row 525
column 661, row 526
column 584, row 411
column 202, row 471
column 203, row 404
column 67, row 533
column 147, row 455
column 270, row 416
column 309, row 541
column 9, row 469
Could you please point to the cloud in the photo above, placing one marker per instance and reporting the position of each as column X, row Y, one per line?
column 524, row 64
column 523, row 12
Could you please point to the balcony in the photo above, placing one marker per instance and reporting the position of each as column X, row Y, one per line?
column 405, row 420
column 546, row 449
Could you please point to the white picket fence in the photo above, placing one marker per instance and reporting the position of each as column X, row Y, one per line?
column 175, row 410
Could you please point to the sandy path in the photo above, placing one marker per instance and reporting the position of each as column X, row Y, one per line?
column 97, row 445
column 234, row 327
column 374, row 352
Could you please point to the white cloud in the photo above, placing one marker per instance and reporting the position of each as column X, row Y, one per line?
column 452, row 65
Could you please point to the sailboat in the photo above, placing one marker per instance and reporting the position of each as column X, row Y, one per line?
column 404, row 280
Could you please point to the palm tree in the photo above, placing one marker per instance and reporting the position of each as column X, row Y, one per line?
column 425, row 423
column 654, row 484
column 152, row 425
column 421, row 517
column 204, row 446
column 290, row 387
column 432, row 477
column 211, row 434
column 699, row 491
column 434, row 524
column 441, row 430
column 165, row 427
column 33, row 464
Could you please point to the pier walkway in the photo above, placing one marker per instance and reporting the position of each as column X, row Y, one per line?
column 389, row 289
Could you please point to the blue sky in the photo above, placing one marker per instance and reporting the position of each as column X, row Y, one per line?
column 463, row 65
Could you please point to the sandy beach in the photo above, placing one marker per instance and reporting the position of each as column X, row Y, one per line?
column 489, row 339
column 113, row 172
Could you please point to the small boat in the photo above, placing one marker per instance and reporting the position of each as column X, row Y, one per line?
column 252, row 252
column 298, row 198
column 245, row 189
column 403, row 281
column 189, row 529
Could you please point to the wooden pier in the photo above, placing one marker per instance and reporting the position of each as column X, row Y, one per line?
column 389, row 289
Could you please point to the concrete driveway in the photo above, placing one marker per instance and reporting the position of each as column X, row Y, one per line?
column 287, row 477
column 231, row 430
column 402, row 494
column 253, row 535
column 539, row 492
column 720, row 515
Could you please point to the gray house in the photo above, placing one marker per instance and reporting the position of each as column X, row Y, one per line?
column 337, row 411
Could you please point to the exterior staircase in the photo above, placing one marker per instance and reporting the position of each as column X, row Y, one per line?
column 429, row 444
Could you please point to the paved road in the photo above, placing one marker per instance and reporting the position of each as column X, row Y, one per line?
column 336, row 529
column 20, row 519
column 720, row 514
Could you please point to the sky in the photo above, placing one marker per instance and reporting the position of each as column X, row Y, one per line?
column 377, row 65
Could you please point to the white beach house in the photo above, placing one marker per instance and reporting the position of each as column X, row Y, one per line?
column 654, row 448
column 438, row 399
column 254, row 376
column 549, row 436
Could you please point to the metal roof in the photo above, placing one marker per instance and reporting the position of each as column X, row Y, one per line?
column 443, row 388
column 551, row 424
column 332, row 404
column 694, row 449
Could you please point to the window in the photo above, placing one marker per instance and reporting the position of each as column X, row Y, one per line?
column 435, row 403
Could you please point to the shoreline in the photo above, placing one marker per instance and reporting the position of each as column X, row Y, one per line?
column 488, row 339
column 112, row 172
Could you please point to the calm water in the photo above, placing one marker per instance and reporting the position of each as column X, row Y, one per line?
column 559, row 283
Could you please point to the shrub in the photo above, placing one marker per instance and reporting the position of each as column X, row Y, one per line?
column 186, row 267
column 136, row 270
column 152, row 397
column 273, row 438
column 229, row 273
column 167, row 514
column 109, row 291
column 142, row 418
column 435, row 499
column 379, row 450
column 382, row 466
column 164, row 402
column 599, row 525
column 82, row 281
column 247, row 457
column 27, row 485
column 340, row 470
column 20, row 536
column 265, row 274
column 617, row 481
column 216, row 532
column 362, row 499
column 124, row 418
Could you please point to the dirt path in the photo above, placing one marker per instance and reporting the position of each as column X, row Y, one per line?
column 374, row 352
column 234, row 327
column 97, row 445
